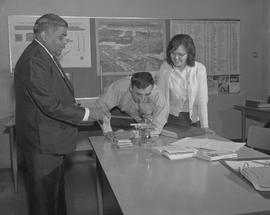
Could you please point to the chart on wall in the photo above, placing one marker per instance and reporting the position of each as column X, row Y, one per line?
column 77, row 52
column 218, row 48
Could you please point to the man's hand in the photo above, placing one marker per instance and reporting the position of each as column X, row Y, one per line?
column 110, row 136
column 98, row 114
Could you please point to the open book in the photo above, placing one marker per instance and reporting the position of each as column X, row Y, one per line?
column 181, row 132
column 175, row 152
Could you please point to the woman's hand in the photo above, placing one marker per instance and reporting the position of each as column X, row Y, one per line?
column 209, row 131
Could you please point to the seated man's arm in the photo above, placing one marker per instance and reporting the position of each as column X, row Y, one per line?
column 160, row 114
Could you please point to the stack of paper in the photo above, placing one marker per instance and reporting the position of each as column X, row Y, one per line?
column 215, row 155
column 123, row 143
column 209, row 144
column 175, row 152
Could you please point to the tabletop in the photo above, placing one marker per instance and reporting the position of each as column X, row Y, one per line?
column 145, row 182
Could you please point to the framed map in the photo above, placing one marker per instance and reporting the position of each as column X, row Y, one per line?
column 125, row 46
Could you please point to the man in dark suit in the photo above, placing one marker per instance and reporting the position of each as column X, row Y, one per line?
column 47, row 116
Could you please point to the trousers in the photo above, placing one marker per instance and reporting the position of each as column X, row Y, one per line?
column 45, row 184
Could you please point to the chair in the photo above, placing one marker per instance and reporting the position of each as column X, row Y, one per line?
column 259, row 138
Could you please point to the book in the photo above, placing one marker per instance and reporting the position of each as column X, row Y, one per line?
column 175, row 152
column 257, row 103
column 178, row 132
column 215, row 155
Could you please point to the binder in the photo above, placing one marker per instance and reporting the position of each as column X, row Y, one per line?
column 257, row 104
column 255, row 171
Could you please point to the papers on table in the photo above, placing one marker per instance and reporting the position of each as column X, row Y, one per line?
column 208, row 144
column 208, row 149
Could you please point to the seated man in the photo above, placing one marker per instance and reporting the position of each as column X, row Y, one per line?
column 137, row 96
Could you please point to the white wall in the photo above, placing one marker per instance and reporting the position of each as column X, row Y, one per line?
column 222, row 118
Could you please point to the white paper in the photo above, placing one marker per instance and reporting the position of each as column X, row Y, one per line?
column 209, row 144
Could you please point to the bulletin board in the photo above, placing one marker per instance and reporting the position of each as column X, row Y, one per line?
column 102, row 50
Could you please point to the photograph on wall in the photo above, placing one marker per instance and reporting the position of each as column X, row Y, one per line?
column 77, row 52
column 223, row 84
column 125, row 46
column 212, row 82
column 234, row 86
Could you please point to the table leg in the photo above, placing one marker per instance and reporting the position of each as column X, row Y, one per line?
column 13, row 154
column 99, row 175
column 243, row 125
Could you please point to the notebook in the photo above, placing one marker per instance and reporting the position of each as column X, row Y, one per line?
column 181, row 132
column 175, row 152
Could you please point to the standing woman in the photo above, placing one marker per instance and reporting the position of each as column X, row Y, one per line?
column 184, row 83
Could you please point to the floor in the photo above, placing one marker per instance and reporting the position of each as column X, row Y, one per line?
column 80, row 188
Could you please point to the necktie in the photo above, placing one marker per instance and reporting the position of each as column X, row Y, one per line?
column 55, row 60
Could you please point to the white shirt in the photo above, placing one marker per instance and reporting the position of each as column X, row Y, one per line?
column 178, row 84
column 118, row 95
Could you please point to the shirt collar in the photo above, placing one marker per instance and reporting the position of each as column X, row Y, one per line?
column 44, row 48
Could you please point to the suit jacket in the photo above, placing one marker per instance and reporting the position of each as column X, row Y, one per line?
column 46, row 113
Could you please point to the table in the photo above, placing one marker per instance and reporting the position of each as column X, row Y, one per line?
column 144, row 182
column 258, row 114
column 10, row 127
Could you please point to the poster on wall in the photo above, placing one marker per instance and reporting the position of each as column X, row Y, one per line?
column 217, row 45
column 125, row 46
column 77, row 52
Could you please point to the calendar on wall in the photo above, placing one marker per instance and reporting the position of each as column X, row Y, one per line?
column 217, row 45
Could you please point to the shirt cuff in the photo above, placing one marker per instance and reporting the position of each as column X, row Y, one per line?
column 86, row 114
column 106, row 126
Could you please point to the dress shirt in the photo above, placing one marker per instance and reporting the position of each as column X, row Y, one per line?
column 178, row 84
column 118, row 95
column 87, row 111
